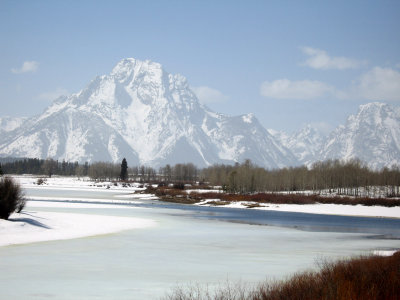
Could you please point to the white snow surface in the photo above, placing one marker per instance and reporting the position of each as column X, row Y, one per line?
column 325, row 209
column 37, row 226
column 384, row 252
column 10, row 123
column 71, row 182
column 304, row 143
column 33, row 226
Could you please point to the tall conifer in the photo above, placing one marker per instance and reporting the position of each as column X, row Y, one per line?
column 124, row 170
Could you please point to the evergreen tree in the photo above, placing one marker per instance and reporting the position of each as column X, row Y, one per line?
column 1, row 171
column 124, row 170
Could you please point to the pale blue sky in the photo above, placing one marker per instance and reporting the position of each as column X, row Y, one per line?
column 288, row 62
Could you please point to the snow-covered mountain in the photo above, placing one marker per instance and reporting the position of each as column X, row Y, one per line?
column 151, row 117
column 305, row 143
column 372, row 135
column 10, row 123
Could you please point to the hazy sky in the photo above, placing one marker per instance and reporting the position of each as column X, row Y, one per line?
column 288, row 62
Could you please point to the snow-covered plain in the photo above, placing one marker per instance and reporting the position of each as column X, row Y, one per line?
column 71, row 182
column 324, row 209
column 32, row 226
column 37, row 226
column 328, row 209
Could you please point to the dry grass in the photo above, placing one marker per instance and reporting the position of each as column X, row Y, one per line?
column 362, row 278
column 373, row 277
column 180, row 196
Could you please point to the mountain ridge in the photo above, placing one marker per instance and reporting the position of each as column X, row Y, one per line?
column 141, row 112
column 372, row 135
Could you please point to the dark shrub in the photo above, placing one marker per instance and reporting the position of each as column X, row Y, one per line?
column 11, row 198
column 179, row 186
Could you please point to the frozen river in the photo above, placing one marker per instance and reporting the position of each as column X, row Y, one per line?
column 189, row 245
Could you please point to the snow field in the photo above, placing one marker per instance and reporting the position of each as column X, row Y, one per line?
column 32, row 227
column 36, row 226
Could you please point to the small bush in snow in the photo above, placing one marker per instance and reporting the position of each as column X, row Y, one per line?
column 11, row 198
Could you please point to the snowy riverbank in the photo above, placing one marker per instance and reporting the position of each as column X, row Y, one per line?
column 33, row 225
column 324, row 209
column 127, row 194
column 37, row 226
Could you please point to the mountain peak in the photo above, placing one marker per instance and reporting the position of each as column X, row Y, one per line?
column 141, row 112
column 248, row 118
column 373, row 113
column 129, row 64
column 134, row 72
column 129, row 69
column 304, row 143
column 371, row 135
column 373, row 107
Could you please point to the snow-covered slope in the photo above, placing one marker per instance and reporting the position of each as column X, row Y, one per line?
column 243, row 137
column 10, row 123
column 305, row 143
column 151, row 117
column 373, row 135
column 141, row 112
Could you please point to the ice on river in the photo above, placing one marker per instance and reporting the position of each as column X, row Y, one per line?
column 145, row 263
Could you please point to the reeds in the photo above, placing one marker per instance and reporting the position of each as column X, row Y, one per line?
column 372, row 278
column 361, row 278
column 181, row 196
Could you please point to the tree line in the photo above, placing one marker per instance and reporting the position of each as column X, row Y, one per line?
column 44, row 167
column 102, row 170
column 350, row 178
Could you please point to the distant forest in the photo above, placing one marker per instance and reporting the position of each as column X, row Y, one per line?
column 351, row 178
column 99, row 170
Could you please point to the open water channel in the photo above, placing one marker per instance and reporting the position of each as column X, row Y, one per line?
column 190, row 244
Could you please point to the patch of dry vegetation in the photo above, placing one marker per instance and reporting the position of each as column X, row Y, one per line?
column 181, row 196
column 368, row 277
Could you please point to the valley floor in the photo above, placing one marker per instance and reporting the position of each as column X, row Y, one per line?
column 36, row 226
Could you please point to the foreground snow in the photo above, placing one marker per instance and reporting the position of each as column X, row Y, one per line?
column 325, row 209
column 33, row 226
column 38, row 226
